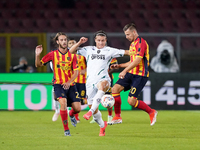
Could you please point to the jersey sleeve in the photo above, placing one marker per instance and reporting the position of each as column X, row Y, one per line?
column 117, row 52
column 141, row 48
column 47, row 58
column 113, row 61
column 84, row 63
column 82, row 51
column 75, row 63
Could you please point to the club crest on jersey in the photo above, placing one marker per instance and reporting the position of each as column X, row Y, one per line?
column 98, row 51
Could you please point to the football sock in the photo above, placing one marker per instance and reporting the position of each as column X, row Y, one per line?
column 72, row 112
column 110, row 111
column 117, row 105
column 142, row 105
column 64, row 117
column 76, row 116
column 97, row 117
column 96, row 100
column 57, row 106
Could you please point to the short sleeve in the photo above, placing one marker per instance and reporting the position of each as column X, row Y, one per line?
column 75, row 62
column 117, row 52
column 82, row 51
column 141, row 48
column 47, row 58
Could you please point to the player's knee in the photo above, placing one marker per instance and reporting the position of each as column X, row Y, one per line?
column 77, row 107
column 116, row 89
column 132, row 101
column 63, row 103
column 78, row 110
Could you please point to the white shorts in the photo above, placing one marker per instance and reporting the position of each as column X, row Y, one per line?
column 91, row 90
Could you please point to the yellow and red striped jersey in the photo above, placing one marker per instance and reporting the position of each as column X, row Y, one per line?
column 63, row 65
column 140, row 48
column 113, row 61
column 81, row 65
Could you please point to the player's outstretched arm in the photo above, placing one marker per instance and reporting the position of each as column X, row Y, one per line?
column 126, row 52
column 130, row 65
column 117, row 66
column 73, row 49
column 38, row 51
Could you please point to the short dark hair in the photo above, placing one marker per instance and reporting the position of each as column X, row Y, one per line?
column 130, row 26
column 100, row 33
column 71, row 38
column 56, row 37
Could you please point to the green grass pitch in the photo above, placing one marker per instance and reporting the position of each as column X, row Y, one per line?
column 34, row 130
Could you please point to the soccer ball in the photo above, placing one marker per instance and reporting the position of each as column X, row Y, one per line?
column 107, row 101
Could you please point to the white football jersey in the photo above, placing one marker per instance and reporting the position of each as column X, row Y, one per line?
column 98, row 61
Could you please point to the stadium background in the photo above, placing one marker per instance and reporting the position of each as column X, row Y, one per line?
column 27, row 23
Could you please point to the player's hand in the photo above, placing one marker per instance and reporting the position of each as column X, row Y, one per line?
column 38, row 50
column 114, row 66
column 83, row 40
column 66, row 85
column 122, row 74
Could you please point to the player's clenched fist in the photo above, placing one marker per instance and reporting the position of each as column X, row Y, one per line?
column 83, row 40
column 114, row 66
column 38, row 49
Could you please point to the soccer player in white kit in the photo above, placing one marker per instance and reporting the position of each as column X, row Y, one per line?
column 98, row 59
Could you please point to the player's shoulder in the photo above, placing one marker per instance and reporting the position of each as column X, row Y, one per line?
column 52, row 51
column 88, row 47
column 140, row 40
column 108, row 48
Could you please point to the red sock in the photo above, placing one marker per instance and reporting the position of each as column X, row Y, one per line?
column 76, row 116
column 110, row 111
column 117, row 105
column 142, row 105
column 64, row 116
column 72, row 112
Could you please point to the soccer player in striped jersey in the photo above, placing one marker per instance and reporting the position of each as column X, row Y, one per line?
column 98, row 59
column 65, row 69
column 135, row 74
column 80, row 83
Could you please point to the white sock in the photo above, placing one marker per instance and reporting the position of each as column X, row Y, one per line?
column 57, row 106
column 96, row 100
column 97, row 117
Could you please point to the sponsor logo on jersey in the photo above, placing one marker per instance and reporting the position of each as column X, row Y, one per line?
column 132, row 52
column 95, row 56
